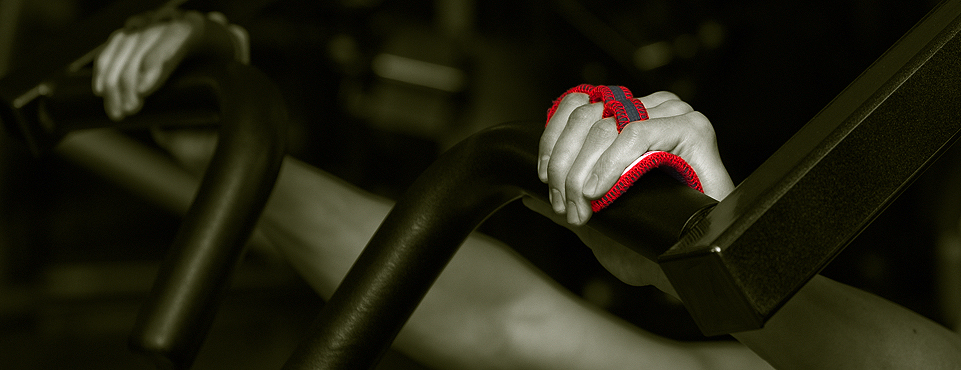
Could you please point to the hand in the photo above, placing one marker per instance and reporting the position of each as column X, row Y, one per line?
column 578, row 145
column 583, row 156
column 139, row 58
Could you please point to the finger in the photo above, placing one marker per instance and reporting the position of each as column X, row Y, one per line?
column 634, row 140
column 668, row 108
column 554, row 128
column 699, row 150
column 580, row 178
column 105, row 59
column 111, row 84
column 166, row 54
column 131, row 74
column 657, row 98
column 565, row 150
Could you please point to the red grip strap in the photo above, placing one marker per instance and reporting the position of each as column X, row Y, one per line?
column 620, row 104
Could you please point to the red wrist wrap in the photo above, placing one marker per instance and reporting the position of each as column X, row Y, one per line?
column 620, row 104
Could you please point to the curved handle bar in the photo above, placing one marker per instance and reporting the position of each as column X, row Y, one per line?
column 232, row 194
column 446, row 203
column 179, row 310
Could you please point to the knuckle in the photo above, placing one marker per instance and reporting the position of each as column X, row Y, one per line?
column 572, row 186
column 575, row 99
column 556, row 170
column 546, row 144
column 573, row 182
column 587, row 112
column 606, row 168
column 603, row 129
column 666, row 95
column 636, row 131
column 700, row 124
column 675, row 107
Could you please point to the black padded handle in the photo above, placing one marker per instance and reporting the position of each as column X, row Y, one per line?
column 177, row 315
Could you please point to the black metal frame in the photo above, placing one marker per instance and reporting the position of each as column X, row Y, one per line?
column 802, row 206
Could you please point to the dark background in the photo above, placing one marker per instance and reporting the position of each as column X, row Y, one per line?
column 77, row 254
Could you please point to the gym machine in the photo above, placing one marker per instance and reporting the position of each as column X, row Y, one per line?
column 734, row 263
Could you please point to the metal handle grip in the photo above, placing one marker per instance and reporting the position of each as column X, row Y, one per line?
column 232, row 194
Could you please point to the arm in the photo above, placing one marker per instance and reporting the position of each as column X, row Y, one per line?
column 826, row 325
column 851, row 329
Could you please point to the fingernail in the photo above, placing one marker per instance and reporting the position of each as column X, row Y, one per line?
column 590, row 187
column 557, row 201
column 573, row 216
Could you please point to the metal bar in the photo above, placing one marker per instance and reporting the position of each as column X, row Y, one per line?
column 802, row 206
column 179, row 311
column 428, row 224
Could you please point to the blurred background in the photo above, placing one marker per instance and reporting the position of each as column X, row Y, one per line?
column 78, row 254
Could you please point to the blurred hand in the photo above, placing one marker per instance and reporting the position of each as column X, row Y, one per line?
column 138, row 59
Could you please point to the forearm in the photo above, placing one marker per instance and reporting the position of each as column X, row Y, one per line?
column 320, row 223
column 831, row 325
column 491, row 309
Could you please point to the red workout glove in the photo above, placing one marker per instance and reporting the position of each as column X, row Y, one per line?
column 620, row 104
